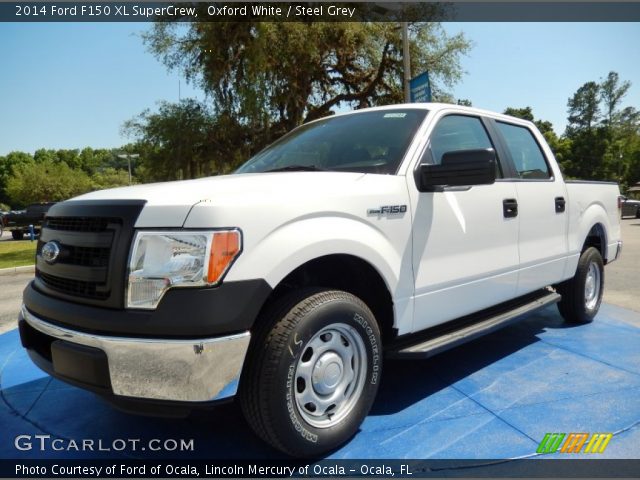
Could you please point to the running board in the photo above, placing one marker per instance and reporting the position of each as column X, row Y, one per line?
column 484, row 325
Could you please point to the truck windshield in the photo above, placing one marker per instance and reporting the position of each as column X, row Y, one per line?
column 367, row 142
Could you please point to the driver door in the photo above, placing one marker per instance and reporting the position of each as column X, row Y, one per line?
column 465, row 240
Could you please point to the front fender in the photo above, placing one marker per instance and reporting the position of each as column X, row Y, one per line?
column 295, row 243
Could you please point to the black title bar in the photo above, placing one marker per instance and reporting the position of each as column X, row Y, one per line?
column 509, row 11
column 529, row 468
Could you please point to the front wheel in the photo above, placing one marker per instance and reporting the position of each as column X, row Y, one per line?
column 312, row 371
column 582, row 294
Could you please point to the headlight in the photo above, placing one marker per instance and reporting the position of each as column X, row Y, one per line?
column 163, row 260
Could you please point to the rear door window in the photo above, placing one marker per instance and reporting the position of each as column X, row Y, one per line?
column 528, row 159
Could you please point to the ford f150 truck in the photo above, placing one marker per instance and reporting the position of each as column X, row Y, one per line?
column 394, row 231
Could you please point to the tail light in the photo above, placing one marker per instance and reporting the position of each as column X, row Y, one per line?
column 620, row 202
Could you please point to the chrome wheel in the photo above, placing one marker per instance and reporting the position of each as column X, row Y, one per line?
column 330, row 375
column 592, row 286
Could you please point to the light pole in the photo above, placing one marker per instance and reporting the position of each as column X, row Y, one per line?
column 129, row 156
column 406, row 61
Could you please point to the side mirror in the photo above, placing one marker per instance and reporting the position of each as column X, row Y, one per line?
column 459, row 168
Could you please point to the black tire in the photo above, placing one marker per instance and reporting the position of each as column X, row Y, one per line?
column 575, row 307
column 17, row 234
column 289, row 329
column 637, row 212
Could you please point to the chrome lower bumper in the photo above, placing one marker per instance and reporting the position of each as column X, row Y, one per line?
column 180, row 370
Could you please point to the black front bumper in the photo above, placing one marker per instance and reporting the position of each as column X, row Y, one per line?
column 183, row 313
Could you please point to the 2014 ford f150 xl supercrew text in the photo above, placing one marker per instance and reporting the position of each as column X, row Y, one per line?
column 394, row 231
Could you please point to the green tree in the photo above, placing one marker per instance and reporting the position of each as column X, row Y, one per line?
column 109, row 178
column 7, row 164
column 612, row 92
column 607, row 146
column 70, row 157
column 184, row 140
column 44, row 155
column 271, row 74
column 525, row 113
column 623, row 154
column 584, row 108
column 264, row 79
column 45, row 181
column 92, row 160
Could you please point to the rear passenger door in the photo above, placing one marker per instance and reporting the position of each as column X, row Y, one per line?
column 542, row 200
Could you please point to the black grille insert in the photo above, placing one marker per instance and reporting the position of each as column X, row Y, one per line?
column 73, row 287
column 89, row 256
column 80, row 224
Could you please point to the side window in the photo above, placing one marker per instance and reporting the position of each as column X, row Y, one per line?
column 527, row 157
column 457, row 132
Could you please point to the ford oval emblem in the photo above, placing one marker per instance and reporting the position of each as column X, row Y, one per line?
column 51, row 252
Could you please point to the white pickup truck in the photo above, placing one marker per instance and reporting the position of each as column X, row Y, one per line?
column 394, row 231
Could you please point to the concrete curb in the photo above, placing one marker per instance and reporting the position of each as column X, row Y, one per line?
column 14, row 270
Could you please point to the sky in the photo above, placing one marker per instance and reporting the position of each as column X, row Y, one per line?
column 72, row 85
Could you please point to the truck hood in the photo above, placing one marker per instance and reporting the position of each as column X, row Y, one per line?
column 169, row 203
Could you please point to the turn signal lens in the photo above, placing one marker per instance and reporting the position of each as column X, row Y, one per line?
column 225, row 247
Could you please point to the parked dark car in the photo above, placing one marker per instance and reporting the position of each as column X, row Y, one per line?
column 17, row 222
column 631, row 208
column 2, row 215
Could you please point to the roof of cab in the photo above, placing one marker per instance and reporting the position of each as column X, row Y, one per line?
column 434, row 107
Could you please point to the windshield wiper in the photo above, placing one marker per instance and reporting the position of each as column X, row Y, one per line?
column 297, row 168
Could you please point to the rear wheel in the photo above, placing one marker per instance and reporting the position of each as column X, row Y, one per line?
column 17, row 234
column 582, row 295
column 312, row 371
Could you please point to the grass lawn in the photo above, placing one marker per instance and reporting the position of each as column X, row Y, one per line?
column 15, row 253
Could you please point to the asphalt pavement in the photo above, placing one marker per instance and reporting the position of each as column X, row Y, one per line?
column 622, row 277
column 11, row 287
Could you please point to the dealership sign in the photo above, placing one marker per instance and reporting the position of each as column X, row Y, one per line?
column 420, row 88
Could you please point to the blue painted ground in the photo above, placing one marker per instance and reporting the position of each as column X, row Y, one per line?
column 493, row 398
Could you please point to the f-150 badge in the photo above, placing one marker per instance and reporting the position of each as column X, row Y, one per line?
column 388, row 210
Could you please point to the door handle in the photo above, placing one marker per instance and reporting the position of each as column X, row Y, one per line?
column 560, row 204
column 510, row 207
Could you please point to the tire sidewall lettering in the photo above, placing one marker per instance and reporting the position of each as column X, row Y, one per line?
column 291, row 409
column 295, row 349
column 375, row 351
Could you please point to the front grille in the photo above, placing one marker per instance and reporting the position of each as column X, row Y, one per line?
column 94, row 239
column 89, row 256
column 80, row 224
column 73, row 287
column 69, row 230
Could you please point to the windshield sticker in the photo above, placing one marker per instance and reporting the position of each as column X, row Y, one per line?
column 395, row 115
